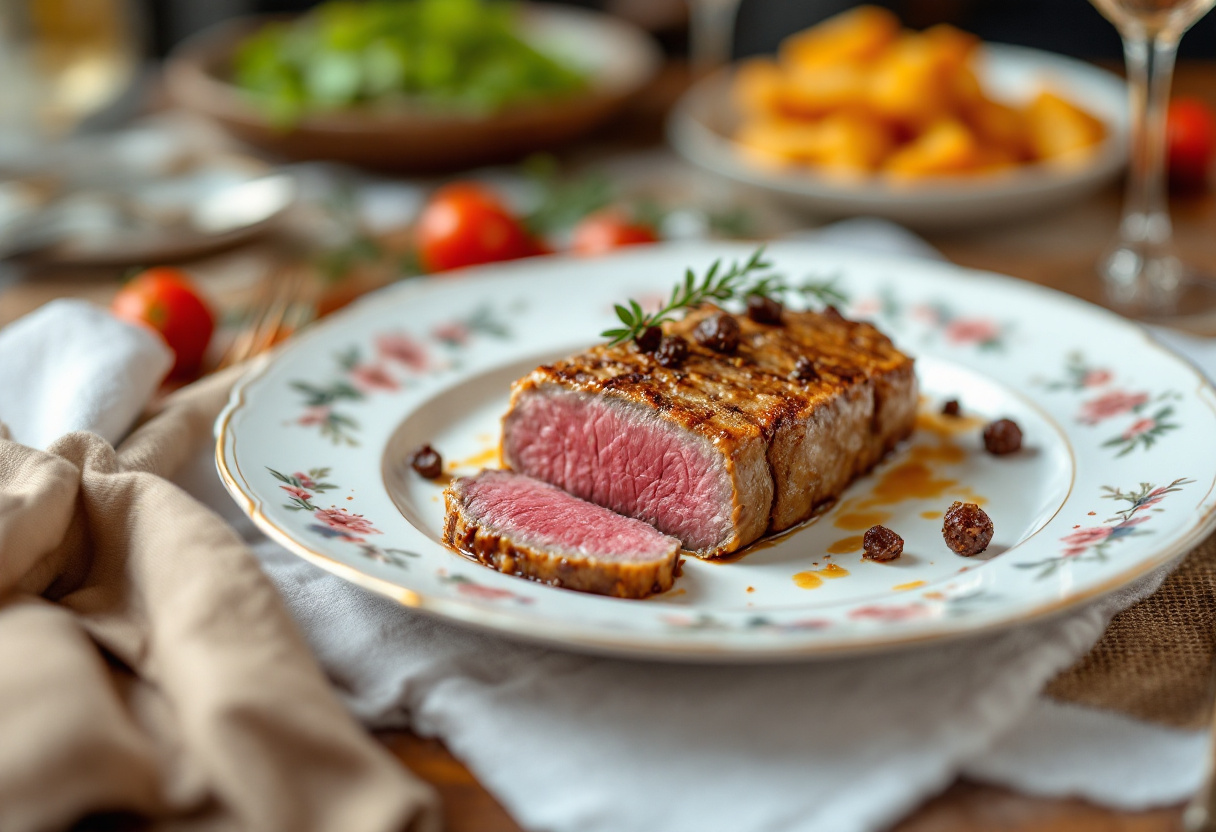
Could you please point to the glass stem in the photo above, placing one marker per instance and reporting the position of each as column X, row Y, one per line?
column 1143, row 271
column 711, row 32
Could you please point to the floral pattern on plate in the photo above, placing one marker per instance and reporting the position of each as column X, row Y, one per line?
column 399, row 369
column 394, row 358
column 1092, row 544
column 1099, row 407
column 938, row 319
column 335, row 523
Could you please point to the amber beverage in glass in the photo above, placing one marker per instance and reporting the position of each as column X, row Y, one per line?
column 63, row 60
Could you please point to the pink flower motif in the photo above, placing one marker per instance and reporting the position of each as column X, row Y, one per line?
column 889, row 614
column 487, row 593
column 1138, row 427
column 1096, row 378
column 454, row 333
column 677, row 620
column 807, row 624
column 372, row 377
column 349, row 525
column 925, row 314
column 1111, row 404
column 304, row 480
column 864, row 308
column 299, row 493
column 972, row 331
column 402, row 349
column 314, row 416
column 1081, row 540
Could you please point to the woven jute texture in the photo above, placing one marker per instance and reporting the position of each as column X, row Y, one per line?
column 1155, row 660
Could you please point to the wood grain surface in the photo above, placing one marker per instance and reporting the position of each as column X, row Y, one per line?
column 964, row 807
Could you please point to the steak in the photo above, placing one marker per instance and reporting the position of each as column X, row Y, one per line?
column 525, row 527
column 724, row 447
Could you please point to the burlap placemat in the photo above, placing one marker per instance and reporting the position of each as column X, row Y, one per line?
column 1155, row 660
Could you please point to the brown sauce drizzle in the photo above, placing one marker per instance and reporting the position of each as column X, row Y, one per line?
column 812, row 579
column 846, row 545
column 489, row 458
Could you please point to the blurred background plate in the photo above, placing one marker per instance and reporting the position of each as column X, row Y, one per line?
column 619, row 58
column 701, row 124
column 165, row 188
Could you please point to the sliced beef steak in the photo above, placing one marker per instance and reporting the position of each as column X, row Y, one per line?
column 525, row 527
column 725, row 446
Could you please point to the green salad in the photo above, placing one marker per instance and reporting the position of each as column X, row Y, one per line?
column 450, row 55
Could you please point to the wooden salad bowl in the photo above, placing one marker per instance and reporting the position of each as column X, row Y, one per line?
column 619, row 59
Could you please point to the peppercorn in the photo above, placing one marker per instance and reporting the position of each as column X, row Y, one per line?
column 951, row 408
column 882, row 544
column 764, row 310
column 804, row 370
column 648, row 341
column 1002, row 437
column 719, row 332
column 966, row 529
column 672, row 351
column 427, row 462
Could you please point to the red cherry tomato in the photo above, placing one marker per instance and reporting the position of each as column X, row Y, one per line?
column 464, row 224
column 607, row 230
column 1191, row 143
column 164, row 300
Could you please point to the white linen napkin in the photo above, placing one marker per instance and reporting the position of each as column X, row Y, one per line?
column 69, row 366
column 569, row 742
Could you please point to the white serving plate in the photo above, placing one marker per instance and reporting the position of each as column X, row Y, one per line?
column 1116, row 476
column 702, row 122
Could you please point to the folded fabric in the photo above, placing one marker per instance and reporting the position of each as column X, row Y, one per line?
column 152, row 668
column 71, row 366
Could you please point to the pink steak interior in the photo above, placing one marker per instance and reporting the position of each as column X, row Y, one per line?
column 536, row 513
column 625, row 457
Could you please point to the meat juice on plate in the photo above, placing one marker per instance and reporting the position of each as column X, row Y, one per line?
column 944, row 461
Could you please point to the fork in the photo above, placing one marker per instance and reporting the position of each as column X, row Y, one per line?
column 276, row 313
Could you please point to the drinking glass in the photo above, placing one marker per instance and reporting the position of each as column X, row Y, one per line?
column 1142, row 276
column 61, row 61
column 711, row 33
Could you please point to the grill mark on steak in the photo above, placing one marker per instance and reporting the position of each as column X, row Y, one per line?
column 807, row 439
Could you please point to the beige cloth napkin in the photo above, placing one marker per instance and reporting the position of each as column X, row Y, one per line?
column 147, row 665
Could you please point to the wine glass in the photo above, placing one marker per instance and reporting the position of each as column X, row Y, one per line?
column 711, row 33
column 1142, row 276
column 62, row 61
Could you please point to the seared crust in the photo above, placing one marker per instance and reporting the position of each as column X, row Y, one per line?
column 815, row 436
column 465, row 533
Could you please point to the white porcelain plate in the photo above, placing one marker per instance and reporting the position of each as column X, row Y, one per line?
column 1115, row 477
column 703, row 121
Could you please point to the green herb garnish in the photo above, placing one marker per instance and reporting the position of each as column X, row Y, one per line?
column 730, row 284
column 563, row 201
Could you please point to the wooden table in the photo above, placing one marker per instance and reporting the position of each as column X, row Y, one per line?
column 1059, row 250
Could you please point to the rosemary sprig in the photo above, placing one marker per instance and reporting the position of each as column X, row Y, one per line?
column 726, row 285
column 826, row 292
